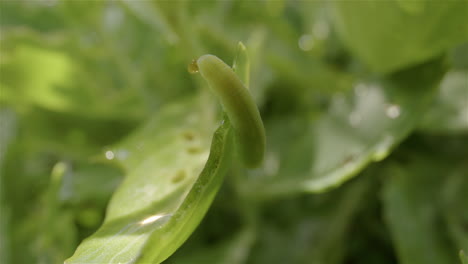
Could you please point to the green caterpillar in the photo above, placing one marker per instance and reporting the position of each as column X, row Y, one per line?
column 239, row 106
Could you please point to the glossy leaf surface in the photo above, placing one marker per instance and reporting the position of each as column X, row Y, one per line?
column 394, row 34
column 172, row 178
column 312, row 154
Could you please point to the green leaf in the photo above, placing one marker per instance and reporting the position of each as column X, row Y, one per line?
column 412, row 219
column 8, row 119
column 316, row 227
column 37, row 75
column 148, row 13
column 424, row 195
column 170, row 184
column 454, row 198
column 234, row 250
column 390, row 35
column 306, row 153
column 459, row 57
column 91, row 183
column 7, row 135
column 241, row 64
column 412, row 7
column 463, row 257
column 54, row 80
column 449, row 113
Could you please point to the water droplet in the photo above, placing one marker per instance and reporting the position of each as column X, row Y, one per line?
column 193, row 67
column 179, row 176
column 306, row 42
column 109, row 155
column 321, row 29
column 393, row 111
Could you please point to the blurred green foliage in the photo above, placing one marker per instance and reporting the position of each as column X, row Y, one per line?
column 96, row 102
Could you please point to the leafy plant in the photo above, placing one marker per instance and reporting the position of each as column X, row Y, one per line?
column 111, row 152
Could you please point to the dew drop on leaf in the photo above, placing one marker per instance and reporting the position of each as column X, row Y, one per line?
column 193, row 67
column 109, row 155
column 393, row 111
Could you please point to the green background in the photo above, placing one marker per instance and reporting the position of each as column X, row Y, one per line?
column 105, row 135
